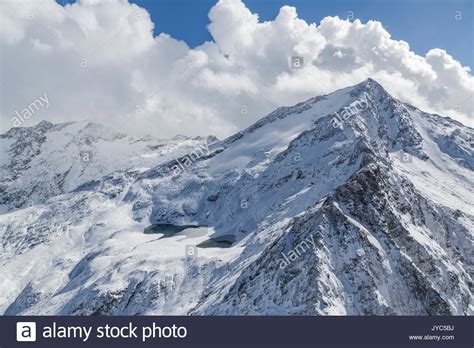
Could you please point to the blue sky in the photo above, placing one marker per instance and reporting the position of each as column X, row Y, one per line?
column 424, row 24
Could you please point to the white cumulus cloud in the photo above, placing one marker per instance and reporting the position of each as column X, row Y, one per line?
column 99, row 60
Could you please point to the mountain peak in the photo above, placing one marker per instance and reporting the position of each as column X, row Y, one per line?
column 44, row 125
column 371, row 82
column 371, row 86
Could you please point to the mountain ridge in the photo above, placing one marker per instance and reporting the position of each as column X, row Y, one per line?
column 70, row 154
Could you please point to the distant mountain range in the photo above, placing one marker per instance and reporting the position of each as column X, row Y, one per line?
column 352, row 203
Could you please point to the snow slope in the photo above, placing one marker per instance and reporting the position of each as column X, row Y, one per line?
column 47, row 160
column 372, row 214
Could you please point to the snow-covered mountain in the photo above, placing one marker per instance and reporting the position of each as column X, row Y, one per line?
column 349, row 203
column 47, row 160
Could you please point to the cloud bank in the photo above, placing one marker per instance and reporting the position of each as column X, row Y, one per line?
column 99, row 60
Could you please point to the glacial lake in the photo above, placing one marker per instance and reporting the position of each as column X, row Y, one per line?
column 218, row 242
column 189, row 232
